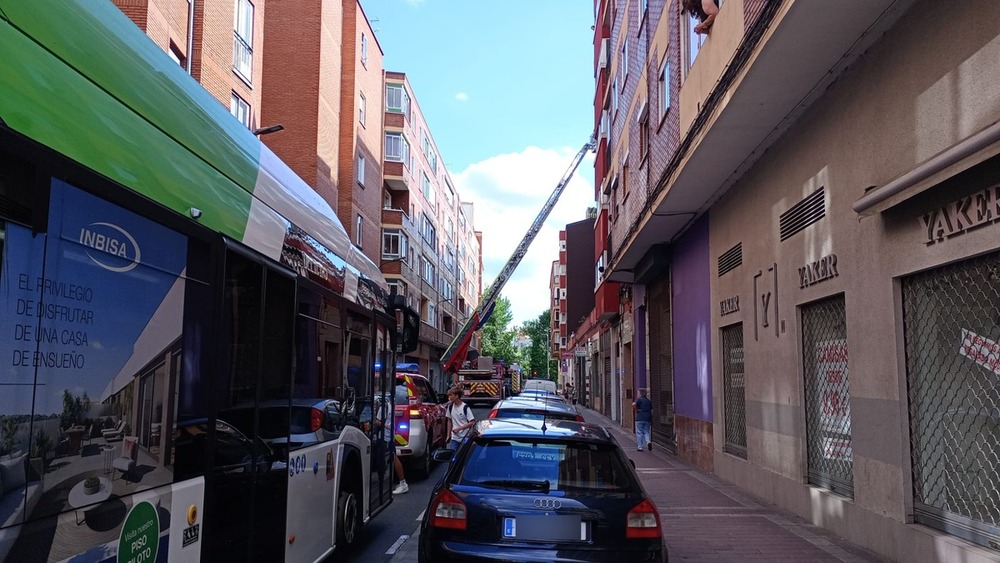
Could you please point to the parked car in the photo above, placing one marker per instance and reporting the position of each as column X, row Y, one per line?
column 539, row 490
column 541, row 394
column 529, row 407
column 542, row 384
column 421, row 425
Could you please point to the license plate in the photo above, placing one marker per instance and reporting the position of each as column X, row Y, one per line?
column 567, row 527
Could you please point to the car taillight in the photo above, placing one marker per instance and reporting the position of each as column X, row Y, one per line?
column 448, row 511
column 643, row 521
column 579, row 418
column 414, row 413
column 493, row 414
column 315, row 420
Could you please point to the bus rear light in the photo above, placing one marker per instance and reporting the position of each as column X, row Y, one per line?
column 643, row 521
column 448, row 511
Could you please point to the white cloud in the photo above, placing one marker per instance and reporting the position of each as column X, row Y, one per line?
column 462, row 97
column 508, row 191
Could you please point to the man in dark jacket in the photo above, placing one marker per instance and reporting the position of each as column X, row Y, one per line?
column 643, row 418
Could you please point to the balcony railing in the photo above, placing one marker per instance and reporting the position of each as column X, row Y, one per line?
column 242, row 58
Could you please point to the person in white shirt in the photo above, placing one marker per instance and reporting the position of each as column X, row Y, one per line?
column 460, row 418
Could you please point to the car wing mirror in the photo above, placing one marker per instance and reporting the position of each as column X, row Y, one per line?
column 443, row 454
column 632, row 461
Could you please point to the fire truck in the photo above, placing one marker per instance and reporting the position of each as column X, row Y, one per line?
column 455, row 357
column 484, row 383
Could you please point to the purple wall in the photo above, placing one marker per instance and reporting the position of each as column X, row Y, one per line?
column 691, row 294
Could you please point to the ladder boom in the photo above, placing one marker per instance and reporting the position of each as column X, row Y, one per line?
column 507, row 271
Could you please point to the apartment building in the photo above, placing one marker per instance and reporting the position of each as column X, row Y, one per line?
column 431, row 252
column 219, row 43
column 802, row 209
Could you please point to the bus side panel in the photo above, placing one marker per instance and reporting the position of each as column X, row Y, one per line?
column 186, row 505
column 312, row 489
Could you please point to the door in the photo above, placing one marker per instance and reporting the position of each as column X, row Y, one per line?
column 246, row 493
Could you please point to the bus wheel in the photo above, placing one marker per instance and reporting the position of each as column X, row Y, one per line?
column 347, row 518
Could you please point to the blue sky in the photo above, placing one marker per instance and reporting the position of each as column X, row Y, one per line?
column 507, row 89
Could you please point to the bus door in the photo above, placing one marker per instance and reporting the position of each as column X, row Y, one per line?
column 382, row 432
column 245, row 504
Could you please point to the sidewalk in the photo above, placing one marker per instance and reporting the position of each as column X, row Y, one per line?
column 706, row 520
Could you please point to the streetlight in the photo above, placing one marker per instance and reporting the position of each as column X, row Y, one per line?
column 269, row 129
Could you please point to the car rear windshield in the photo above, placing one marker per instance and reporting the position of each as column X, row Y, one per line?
column 533, row 413
column 546, row 465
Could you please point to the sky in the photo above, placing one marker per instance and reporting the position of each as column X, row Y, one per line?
column 507, row 89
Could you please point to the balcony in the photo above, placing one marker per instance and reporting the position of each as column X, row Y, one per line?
column 395, row 175
column 606, row 301
column 242, row 58
column 751, row 80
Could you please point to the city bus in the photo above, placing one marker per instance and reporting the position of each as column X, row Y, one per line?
column 190, row 344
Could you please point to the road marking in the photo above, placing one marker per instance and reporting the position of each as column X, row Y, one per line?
column 420, row 517
column 399, row 543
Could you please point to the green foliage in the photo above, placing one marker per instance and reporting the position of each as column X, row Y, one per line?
column 498, row 336
column 539, row 330
column 8, row 431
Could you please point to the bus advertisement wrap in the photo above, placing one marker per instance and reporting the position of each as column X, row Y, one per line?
column 88, row 374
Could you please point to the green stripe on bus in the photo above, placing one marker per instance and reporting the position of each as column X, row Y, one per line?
column 101, row 43
column 43, row 99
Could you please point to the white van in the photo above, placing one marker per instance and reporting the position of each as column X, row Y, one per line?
column 540, row 384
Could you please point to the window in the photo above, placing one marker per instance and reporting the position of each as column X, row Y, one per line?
column 432, row 314
column 176, row 55
column 614, row 97
column 397, row 149
column 428, row 190
column 364, row 49
column 664, row 85
column 624, row 60
column 396, row 99
column 386, row 200
column 362, row 108
column 240, row 109
column 643, row 132
column 243, row 39
column 361, row 170
column 427, row 270
column 394, row 244
column 427, row 231
column 358, row 235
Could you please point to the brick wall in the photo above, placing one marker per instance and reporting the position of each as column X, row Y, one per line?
column 291, row 88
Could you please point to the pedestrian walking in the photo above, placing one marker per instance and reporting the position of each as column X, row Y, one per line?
column 643, row 419
column 460, row 418
column 401, row 486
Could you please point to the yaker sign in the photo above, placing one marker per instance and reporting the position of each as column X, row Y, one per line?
column 957, row 217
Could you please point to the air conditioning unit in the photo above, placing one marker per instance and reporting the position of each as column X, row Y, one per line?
column 605, row 128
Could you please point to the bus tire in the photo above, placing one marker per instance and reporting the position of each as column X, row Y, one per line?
column 348, row 518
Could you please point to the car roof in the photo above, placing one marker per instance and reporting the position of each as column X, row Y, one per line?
column 497, row 428
column 521, row 403
column 400, row 374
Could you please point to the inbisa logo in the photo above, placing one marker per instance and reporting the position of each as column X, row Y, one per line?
column 108, row 240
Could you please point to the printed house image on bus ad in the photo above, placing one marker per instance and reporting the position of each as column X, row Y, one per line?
column 91, row 355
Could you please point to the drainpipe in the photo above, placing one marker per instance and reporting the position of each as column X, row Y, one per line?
column 190, row 37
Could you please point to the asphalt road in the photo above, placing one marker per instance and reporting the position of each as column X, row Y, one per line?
column 385, row 534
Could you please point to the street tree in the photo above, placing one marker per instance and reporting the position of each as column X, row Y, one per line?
column 497, row 334
column 537, row 354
